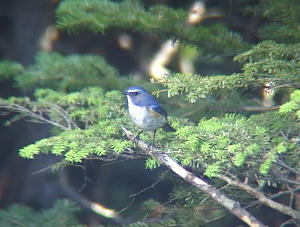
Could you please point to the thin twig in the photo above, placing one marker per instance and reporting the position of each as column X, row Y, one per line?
column 282, row 164
column 259, row 108
column 281, row 179
column 145, row 189
column 128, row 205
column 261, row 197
column 64, row 114
column 44, row 169
column 35, row 116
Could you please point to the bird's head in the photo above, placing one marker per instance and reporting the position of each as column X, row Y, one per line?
column 138, row 95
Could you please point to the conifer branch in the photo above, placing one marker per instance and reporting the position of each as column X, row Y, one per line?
column 99, row 16
column 231, row 205
column 261, row 197
column 197, row 86
column 9, row 69
column 35, row 116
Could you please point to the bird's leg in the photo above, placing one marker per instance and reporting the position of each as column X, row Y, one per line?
column 137, row 136
column 153, row 137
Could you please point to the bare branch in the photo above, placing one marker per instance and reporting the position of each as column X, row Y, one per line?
column 38, row 115
column 282, row 179
column 62, row 112
column 282, row 164
column 259, row 108
column 95, row 207
column 147, row 188
column 261, row 197
column 274, row 196
column 231, row 205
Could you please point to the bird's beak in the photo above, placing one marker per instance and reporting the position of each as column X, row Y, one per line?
column 125, row 93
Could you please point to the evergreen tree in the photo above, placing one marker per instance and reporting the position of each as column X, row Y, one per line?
column 226, row 138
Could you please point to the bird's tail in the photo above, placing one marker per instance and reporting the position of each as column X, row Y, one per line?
column 168, row 128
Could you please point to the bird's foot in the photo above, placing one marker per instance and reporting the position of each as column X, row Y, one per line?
column 152, row 146
column 136, row 139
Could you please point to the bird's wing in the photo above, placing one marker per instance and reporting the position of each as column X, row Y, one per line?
column 156, row 109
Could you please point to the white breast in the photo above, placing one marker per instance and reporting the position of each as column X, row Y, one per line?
column 143, row 119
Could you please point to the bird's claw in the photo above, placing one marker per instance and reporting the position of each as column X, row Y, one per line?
column 136, row 139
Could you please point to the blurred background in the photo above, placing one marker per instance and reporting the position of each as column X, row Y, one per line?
column 27, row 27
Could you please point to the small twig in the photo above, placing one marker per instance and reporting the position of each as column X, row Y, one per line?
column 128, row 205
column 215, row 219
column 287, row 86
column 35, row 116
column 261, row 197
column 145, row 189
column 281, row 179
column 282, row 164
column 274, row 196
column 288, row 222
column 86, row 178
column 292, row 195
column 113, row 162
column 259, row 108
column 64, row 114
column 44, row 169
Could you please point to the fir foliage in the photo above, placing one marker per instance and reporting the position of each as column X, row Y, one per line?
column 68, row 73
column 98, row 16
column 61, row 214
column 267, row 61
column 67, row 111
column 285, row 19
column 293, row 106
column 90, row 123
column 272, row 61
column 195, row 86
column 227, row 143
column 9, row 69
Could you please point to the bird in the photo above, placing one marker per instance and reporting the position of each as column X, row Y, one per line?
column 145, row 111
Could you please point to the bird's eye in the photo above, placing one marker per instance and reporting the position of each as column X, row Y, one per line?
column 135, row 93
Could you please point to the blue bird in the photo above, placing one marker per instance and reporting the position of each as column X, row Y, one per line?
column 145, row 111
